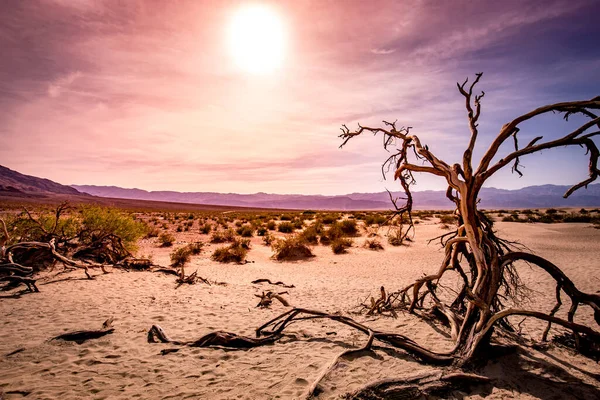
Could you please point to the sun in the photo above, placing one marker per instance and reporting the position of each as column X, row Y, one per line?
column 257, row 39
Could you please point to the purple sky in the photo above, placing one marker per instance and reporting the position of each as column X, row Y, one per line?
column 145, row 93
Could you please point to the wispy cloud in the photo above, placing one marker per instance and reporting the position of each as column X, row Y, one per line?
column 145, row 94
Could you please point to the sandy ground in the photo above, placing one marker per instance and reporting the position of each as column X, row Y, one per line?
column 124, row 366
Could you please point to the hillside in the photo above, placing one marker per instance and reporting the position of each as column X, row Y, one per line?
column 16, row 183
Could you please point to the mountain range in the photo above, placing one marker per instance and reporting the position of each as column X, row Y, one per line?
column 529, row 197
column 16, row 185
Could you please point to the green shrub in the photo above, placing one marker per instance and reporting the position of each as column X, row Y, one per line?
column 99, row 222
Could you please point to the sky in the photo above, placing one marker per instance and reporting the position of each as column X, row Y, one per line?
column 149, row 95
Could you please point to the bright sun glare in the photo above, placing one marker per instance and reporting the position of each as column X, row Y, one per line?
column 256, row 39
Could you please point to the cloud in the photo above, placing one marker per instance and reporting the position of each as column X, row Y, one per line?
column 59, row 85
column 93, row 89
column 383, row 51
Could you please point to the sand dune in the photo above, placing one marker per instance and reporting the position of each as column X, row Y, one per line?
column 124, row 366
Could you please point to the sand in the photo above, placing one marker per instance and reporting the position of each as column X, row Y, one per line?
column 124, row 366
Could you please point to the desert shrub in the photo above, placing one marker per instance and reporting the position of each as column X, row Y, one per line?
column 166, row 239
column 268, row 239
column 577, row 218
column 340, row 245
column 245, row 231
column 235, row 252
column 179, row 229
column 372, row 219
column 583, row 211
column 152, row 232
column 286, row 217
column 349, row 227
column 298, row 223
column 205, row 228
column 227, row 235
column 286, row 227
column 271, row 225
column 27, row 230
column 551, row 211
column 180, row 257
column 334, row 232
column 329, row 218
column 373, row 244
column 311, row 234
column 447, row 219
column 291, row 248
column 99, row 222
column 395, row 237
column 261, row 231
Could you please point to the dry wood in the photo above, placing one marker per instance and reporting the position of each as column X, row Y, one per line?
column 279, row 283
column 484, row 262
column 80, row 337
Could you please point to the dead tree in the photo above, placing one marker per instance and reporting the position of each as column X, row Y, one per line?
column 485, row 263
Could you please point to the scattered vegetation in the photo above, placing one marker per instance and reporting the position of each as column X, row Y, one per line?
column 291, row 248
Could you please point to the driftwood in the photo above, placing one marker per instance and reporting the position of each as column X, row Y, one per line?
column 80, row 337
column 214, row 339
column 278, row 283
column 266, row 299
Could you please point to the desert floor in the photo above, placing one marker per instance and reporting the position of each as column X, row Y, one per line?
column 124, row 365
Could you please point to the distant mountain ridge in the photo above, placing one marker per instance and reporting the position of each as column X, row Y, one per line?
column 13, row 182
column 529, row 197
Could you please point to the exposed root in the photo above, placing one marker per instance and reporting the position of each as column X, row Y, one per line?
column 440, row 384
